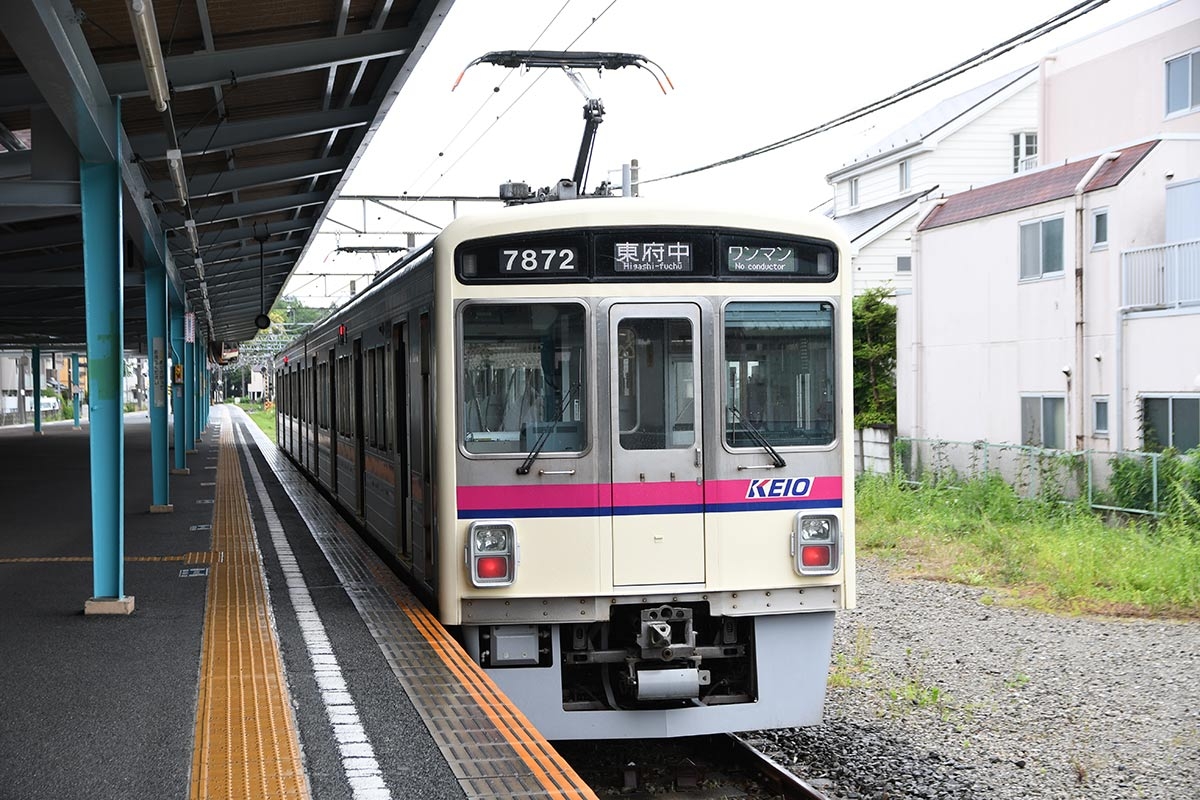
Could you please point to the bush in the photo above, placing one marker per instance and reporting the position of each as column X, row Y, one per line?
column 874, row 359
column 1165, row 483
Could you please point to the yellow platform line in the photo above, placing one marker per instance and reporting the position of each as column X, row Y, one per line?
column 72, row 559
column 546, row 766
column 247, row 745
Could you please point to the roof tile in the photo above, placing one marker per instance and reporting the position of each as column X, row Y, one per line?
column 1034, row 188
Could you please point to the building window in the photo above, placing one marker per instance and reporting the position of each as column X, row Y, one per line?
column 1041, row 248
column 1183, row 83
column 1100, row 416
column 853, row 192
column 1024, row 151
column 903, row 263
column 904, row 175
column 1171, row 422
column 1044, row 421
column 1100, row 229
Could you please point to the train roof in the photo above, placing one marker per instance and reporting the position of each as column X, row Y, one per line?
column 634, row 211
column 599, row 212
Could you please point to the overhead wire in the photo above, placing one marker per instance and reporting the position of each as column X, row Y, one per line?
column 519, row 97
column 486, row 101
column 993, row 52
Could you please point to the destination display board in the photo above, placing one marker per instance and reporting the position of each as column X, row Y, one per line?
column 754, row 256
column 645, row 253
column 654, row 254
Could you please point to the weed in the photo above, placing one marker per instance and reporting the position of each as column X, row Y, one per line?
column 848, row 669
column 1049, row 556
column 1017, row 681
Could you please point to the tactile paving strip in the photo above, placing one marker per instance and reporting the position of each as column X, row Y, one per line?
column 246, row 745
column 494, row 751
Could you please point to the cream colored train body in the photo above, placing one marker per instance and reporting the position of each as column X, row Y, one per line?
column 610, row 441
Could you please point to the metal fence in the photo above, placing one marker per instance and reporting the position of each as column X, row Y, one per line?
column 1034, row 472
column 1161, row 276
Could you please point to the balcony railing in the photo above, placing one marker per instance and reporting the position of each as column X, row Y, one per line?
column 1164, row 276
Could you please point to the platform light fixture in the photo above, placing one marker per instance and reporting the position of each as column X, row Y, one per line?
column 178, row 177
column 145, row 32
column 193, row 237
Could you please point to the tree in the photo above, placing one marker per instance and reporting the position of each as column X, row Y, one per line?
column 874, row 358
column 292, row 310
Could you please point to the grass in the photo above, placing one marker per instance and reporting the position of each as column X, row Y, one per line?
column 1048, row 556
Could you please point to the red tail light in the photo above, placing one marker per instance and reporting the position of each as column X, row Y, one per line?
column 491, row 553
column 491, row 567
column 815, row 555
column 816, row 543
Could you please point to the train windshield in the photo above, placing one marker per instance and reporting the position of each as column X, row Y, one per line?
column 523, row 377
column 779, row 372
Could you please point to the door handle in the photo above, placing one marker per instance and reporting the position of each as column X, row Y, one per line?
column 698, row 461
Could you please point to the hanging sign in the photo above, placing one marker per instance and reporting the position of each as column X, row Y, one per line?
column 189, row 326
column 159, row 372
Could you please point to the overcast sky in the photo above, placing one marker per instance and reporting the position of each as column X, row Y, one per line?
column 746, row 73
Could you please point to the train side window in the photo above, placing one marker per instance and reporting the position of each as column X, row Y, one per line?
column 779, row 369
column 523, row 377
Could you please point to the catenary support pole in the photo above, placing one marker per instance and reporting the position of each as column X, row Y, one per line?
column 76, row 389
column 36, row 370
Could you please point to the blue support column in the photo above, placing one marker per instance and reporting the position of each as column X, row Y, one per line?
column 189, row 393
column 202, row 354
column 207, row 396
column 103, row 266
column 198, row 354
column 156, row 335
column 36, row 369
column 179, row 416
column 76, row 391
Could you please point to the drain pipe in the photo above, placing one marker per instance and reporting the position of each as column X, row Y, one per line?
column 1119, row 384
column 918, row 343
column 1079, row 383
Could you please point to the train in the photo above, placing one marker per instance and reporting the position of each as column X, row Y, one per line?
column 610, row 441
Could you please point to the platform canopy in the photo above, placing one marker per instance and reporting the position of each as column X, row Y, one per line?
column 239, row 123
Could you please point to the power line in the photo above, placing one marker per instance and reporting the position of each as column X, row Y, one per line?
column 1036, row 32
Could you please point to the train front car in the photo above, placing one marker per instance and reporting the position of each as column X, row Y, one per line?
column 651, row 465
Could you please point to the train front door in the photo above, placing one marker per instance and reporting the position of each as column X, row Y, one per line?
column 658, row 464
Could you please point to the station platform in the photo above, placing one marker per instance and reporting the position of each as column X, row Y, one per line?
column 271, row 653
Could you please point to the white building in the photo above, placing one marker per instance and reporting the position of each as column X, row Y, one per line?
column 1062, row 307
column 979, row 136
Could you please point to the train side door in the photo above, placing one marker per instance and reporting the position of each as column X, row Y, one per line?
column 399, row 413
column 335, row 420
column 658, row 466
column 360, row 460
column 314, row 412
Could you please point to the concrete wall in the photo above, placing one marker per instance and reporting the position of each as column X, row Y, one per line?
column 1110, row 89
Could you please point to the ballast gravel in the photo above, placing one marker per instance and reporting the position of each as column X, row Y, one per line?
column 938, row 692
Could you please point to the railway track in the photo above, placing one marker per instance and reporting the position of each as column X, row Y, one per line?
column 708, row 767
